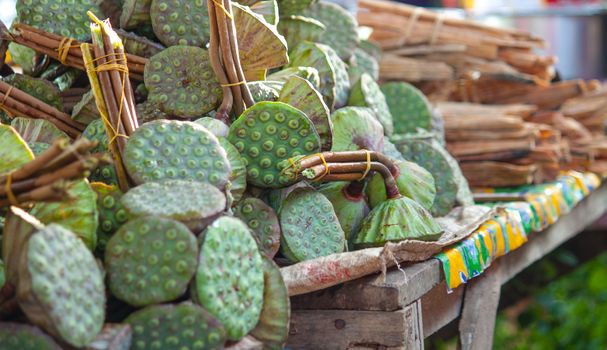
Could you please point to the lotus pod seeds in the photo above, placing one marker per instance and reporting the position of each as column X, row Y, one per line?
column 181, row 326
column 299, row 93
column 409, row 108
column 262, row 221
column 181, row 81
column 355, row 128
column 150, row 260
column 270, row 132
column 65, row 296
column 229, row 280
column 41, row 89
column 17, row 336
column 177, row 22
column 170, row 149
column 112, row 213
column 273, row 326
column 366, row 93
column 62, row 17
column 310, row 228
column 95, row 131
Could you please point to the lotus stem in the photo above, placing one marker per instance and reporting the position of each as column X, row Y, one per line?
column 228, row 99
column 246, row 93
column 350, row 156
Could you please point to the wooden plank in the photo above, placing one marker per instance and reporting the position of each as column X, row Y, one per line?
column 440, row 307
column 481, row 299
column 348, row 329
column 399, row 289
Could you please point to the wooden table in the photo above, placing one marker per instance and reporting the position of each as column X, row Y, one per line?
column 413, row 303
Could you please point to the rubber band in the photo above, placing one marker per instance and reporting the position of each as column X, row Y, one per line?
column 64, row 49
column 234, row 84
column 368, row 166
column 225, row 11
column 324, row 162
column 9, row 191
column 412, row 20
column 437, row 27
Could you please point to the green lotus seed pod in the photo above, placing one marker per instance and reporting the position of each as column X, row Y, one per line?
column 413, row 181
column 95, row 131
column 360, row 63
column 85, row 111
column 396, row 220
column 355, row 128
column 65, row 18
column 20, row 336
column 112, row 213
column 135, row 13
column 41, row 89
column 262, row 221
column 310, row 228
column 290, row 7
column 451, row 186
column 366, row 93
column 391, row 151
column 409, row 107
column 112, row 337
column 238, row 178
column 65, row 296
column 170, row 149
column 299, row 93
column 193, row 203
column 15, row 152
column 181, row 81
column 273, row 326
column 177, row 22
column 308, row 73
column 229, row 281
column 150, row 260
column 267, row 133
column 262, row 91
column 342, row 80
column 350, row 208
column 149, row 111
column 39, row 147
column 297, row 29
column 215, row 126
column 181, row 326
column 77, row 212
column 23, row 57
column 341, row 27
column 371, row 48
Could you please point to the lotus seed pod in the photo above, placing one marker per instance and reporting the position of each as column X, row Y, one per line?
column 342, row 80
column 65, row 18
column 215, row 126
column 149, row 111
column 273, row 326
column 135, row 13
column 438, row 127
column 262, row 91
column 310, row 228
column 76, row 212
column 267, row 133
column 451, row 186
column 350, row 208
column 308, row 73
column 19, row 226
column 308, row 54
column 18, row 336
column 181, row 326
column 105, row 174
column 371, row 49
column 360, row 63
column 38, row 147
column 391, row 151
column 177, row 22
column 262, row 221
column 291, row 7
column 409, row 107
column 139, row 45
column 150, row 260
column 181, row 81
column 341, row 33
column 23, row 57
column 297, row 29
column 15, row 152
column 396, row 220
column 112, row 213
column 193, row 203
column 86, row 110
column 413, row 181
column 95, row 131
column 229, row 280
column 261, row 47
column 267, row 8
column 366, row 93
column 299, row 93
column 41, row 89
column 170, row 149
column 238, row 178
column 64, row 296
column 112, row 337
column 355, row 128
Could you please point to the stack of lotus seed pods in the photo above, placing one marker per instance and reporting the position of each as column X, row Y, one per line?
column 183, row 253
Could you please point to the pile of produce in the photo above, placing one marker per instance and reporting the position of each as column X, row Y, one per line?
column 159, row 164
